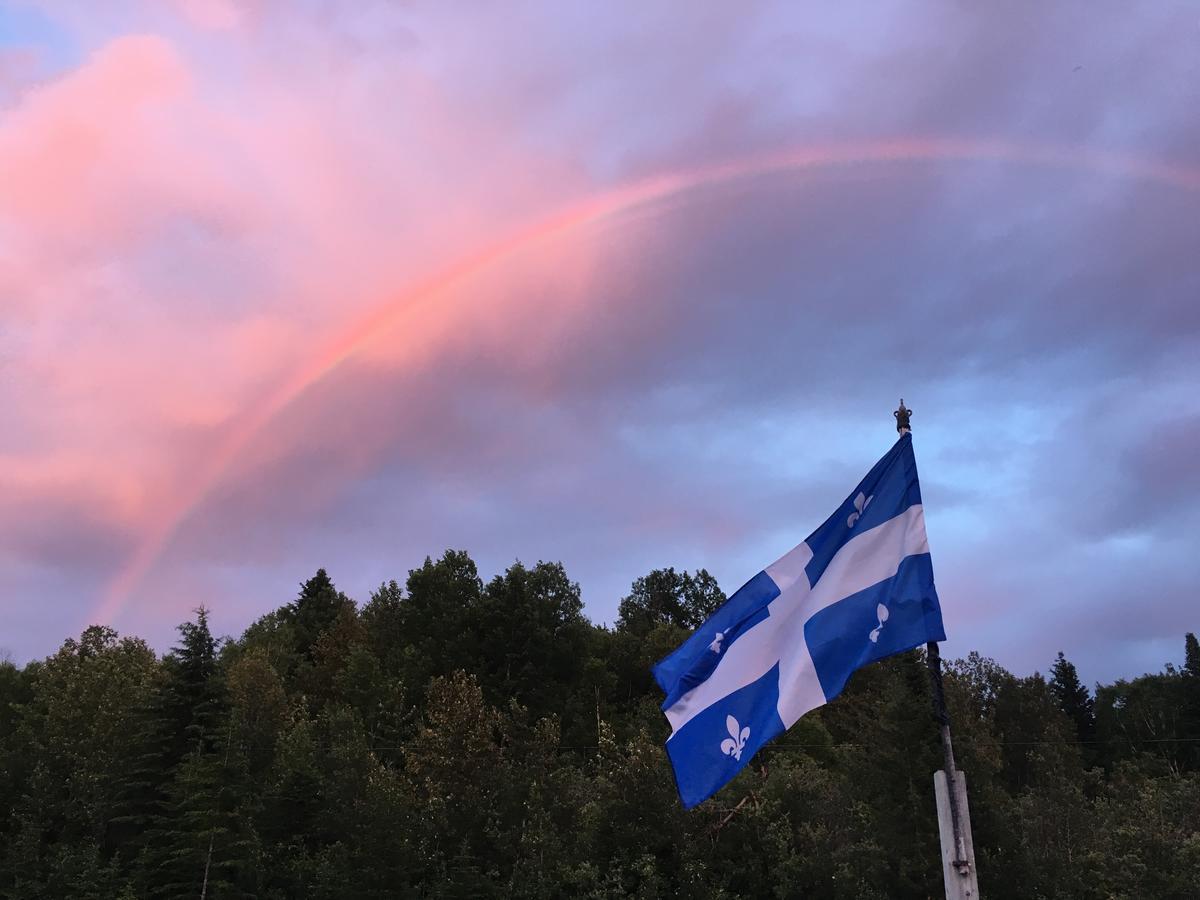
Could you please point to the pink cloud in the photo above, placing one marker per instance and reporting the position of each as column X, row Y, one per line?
column 182, row 241
column 215, row 14
column 75, row 149
column 246, row 326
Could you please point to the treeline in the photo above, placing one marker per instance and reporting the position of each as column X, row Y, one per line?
column 456, row 738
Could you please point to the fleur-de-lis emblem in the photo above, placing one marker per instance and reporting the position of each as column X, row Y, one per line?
column 861, row 503
column 732, row 745
column 715, row 646
column 881, row 613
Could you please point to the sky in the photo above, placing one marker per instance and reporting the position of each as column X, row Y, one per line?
column 288, row 285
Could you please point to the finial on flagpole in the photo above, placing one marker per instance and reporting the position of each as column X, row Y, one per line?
column 902, row 416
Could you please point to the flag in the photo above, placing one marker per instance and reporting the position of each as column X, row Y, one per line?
column 858, row 589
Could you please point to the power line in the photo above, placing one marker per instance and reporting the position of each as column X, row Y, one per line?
column 784, row 745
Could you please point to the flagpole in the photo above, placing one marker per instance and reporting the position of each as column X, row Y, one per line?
column 961, row 857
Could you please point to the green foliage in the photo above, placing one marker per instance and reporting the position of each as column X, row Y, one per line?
column 69, row 749
column 667, row 597
column 1148, row 719
column 312, row 613
column 1190, row 704
column 462, row 738
column 1073, row 698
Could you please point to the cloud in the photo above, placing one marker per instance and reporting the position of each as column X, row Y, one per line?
column 213, row 203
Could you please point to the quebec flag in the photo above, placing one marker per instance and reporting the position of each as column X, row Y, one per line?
column 858, row 589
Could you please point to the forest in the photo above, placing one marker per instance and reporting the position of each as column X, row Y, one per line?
column 469, row 738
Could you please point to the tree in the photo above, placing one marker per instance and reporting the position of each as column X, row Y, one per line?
column 889, row 744
column 433, row 618
column 15, row 693
column 1037, row 740
column 204, row 844
column 259, row 710
column 528, row 638
column 660, row 611
column 1073, row 698
column 314, row 611
column 1143, row 719
column 1147, row 841
column 71, row 745
column 194, row 693
column 1190, row 703
column 383, row 618
column 667, row 597
column 463, row 738
column 196, row 839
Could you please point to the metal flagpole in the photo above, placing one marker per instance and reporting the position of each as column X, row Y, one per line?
column 950, row 787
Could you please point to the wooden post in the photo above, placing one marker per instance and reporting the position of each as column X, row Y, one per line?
column 961, row 881
column 950, row 786
column 950, row 793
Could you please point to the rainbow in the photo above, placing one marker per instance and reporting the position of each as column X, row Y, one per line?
column 590, row 210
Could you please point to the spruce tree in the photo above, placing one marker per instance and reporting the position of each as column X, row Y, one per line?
column 140, row 795
column 1073, row 698
column 199, row 841
column 204, row 844
column 1190, row 705
column 314, row 611
column 1191, row 656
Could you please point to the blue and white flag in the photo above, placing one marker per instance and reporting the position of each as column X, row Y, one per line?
column 858, row 589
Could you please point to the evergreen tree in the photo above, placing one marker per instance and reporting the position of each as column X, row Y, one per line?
column 1073, row 698
column 198, row 840
column 193, row 693
column 1189, row 728
column 203, row 844
column 140, row 799
column 314, row 611
column 383, row 617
